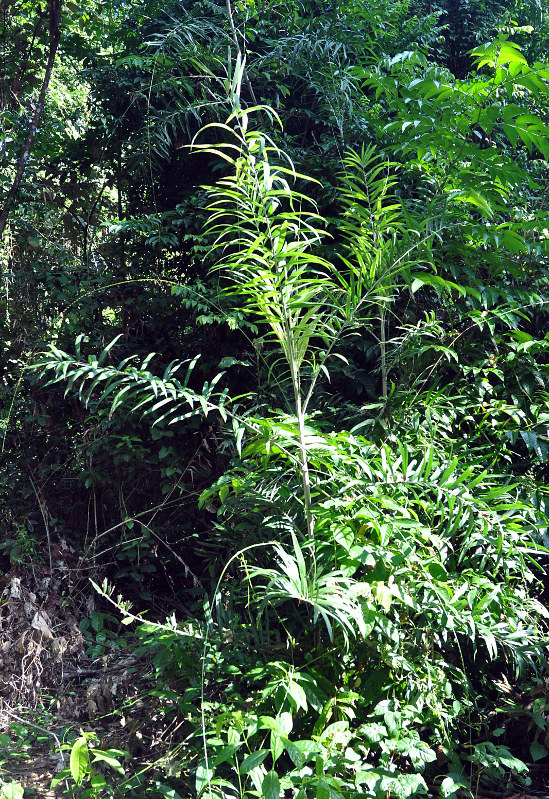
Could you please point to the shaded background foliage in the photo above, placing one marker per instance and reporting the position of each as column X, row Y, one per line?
column 132, row 87
column 107, row 241
column 111, row 205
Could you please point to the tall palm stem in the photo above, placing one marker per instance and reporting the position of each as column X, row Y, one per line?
column 305, row 473
column 383, row 350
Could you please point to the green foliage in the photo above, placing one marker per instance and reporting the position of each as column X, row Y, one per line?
column 12, row 790
column 133, row 385
column 366, row 428
column 413, row 566
column 330, row 595
column 81, row 767
column 100, row 638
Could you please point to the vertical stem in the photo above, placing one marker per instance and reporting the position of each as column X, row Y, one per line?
column 236, row 44
column 383, row 351
column 291, row 357
column 305, row 474
column 281, row 270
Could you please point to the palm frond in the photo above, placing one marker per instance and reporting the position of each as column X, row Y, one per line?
column 168, row 398
column 298, row 578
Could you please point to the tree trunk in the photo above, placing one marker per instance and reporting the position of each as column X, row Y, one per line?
column 54, row 18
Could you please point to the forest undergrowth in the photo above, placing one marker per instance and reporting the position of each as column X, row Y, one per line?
column 274, row 400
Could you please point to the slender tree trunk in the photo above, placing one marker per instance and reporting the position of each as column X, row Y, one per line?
column 54, row 18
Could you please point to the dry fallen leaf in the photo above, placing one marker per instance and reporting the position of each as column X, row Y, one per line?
column 41, row 622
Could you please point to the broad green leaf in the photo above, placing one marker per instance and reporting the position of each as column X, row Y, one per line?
column 301, row 751
column 418, row 751
column 374, row 731
column 424, row 278
column 529, row 438
column 203, row 777
column 328, row 788
column 253, row 760
column 275, row 725
column 276, row 742
column 297, row 694
column 472, row 197
column 271, row 786
column 538, row 751
column 438, row 572
column 335, row 733
column 79, row 760
column 59, row 777
column 12, row 790
column 510, row 53
column 402, row 786
column 226, row 753
column 454, row 785
column 109, row 757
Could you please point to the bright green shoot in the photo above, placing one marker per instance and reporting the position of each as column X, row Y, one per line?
column 267, row 233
